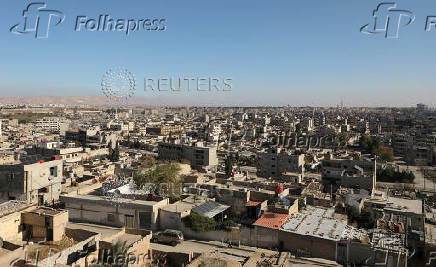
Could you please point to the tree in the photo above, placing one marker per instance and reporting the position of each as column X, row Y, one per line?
column 116, row 256
column 165, row 179
column 375, row 146
column 385, row 154
column 343, row 139
column 367, row 219
column 148, row 162
column 390, row 175
column 352, row 213
column 199, row 223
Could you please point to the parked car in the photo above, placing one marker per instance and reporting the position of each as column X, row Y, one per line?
column 172, row 237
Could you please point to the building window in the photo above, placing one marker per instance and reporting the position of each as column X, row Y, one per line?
column 53, row 172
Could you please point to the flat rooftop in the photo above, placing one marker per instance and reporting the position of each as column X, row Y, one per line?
column 47, row 211
column 106, row 200
column 12, row 206
column 127, row 189
column 185, row 204
column 400, row 204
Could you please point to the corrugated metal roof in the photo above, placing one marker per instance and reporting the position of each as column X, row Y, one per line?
column 210, row 208
column 319, row 222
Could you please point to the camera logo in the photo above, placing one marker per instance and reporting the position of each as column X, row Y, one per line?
column 38, row 19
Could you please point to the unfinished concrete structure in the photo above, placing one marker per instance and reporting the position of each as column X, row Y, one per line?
column 199, row 155
column 44, row 224
column 277, row 161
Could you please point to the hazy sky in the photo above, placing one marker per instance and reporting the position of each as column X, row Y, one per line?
column 307, row 52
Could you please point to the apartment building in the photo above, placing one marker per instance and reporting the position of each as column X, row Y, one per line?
column 276, row 161
column 54, row 124
column 91, row 137
column 402, row 144
column 36, row 182
column 163, row 130
column 348, row 173
column 200, row 156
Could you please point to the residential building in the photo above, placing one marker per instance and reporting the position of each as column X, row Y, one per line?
column 199, row 156
column 277, row 161
column 34, row 181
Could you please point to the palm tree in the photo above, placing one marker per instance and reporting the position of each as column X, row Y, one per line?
column 118, row 251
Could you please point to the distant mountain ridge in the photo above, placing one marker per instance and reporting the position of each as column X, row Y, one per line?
column 64, row 100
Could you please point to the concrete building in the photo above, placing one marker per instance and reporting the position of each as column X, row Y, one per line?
column 267, row 229
column 91, row 137
column 408, row 211
column 33, row 182
column 170, row 216
column 402, row 144
column 117, row 212
column 200, row 156
column 10, row 219
column 420, row 156
column 314, row 232
column 348, row 173
column 163, row 130
column 276, row 162
column 55, row 124
column 44, row 224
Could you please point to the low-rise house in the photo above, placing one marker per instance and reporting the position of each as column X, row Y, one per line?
column 212, row 209
column 113, row 211
column 44, row 224
column 267, row 229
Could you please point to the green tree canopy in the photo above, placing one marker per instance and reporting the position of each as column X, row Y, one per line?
column 164, row 177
